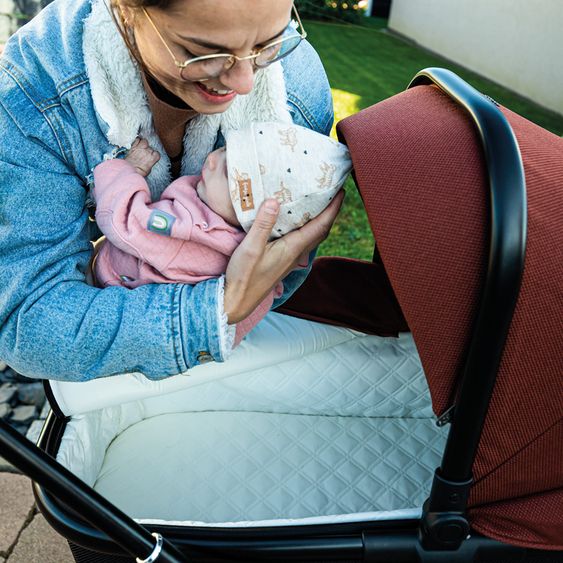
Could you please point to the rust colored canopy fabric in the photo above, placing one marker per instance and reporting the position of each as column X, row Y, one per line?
column 419, row 167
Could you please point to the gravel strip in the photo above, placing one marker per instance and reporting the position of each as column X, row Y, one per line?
column 22, row 402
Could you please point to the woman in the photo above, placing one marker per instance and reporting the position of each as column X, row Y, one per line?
column 70, row 95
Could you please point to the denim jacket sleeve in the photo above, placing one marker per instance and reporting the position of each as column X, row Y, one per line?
column 308, row 91
column 310, row 105
column 54, row 325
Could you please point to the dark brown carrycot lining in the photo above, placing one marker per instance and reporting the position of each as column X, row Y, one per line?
column 350, row 293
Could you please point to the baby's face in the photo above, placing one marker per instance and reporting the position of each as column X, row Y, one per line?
column 213, row 188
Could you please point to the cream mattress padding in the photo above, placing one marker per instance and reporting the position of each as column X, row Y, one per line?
column 276, row 339
column 243, row 466
column 322, row 424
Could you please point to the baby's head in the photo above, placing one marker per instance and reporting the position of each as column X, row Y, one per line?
column 302, row 169
column 213, row 188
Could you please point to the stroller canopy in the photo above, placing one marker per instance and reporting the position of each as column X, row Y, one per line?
column 421, row 172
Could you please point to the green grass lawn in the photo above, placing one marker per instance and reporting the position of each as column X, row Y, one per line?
column 366, row 65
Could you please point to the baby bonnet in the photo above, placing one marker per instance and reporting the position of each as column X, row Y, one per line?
column 301, row 168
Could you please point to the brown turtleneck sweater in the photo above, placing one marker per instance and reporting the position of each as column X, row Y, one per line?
column 170, row 116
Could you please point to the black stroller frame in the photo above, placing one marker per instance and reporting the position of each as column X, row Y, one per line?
column 443, row 533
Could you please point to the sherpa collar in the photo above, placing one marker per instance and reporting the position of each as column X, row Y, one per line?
column 121, row 102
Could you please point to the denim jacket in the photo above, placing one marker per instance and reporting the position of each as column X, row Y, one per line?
column 56, row 127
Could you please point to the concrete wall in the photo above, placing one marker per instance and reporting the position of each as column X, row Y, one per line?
column 517, row 43
column 7, row 24
column 10, row 8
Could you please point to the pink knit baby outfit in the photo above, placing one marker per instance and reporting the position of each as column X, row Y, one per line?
column 177, row 239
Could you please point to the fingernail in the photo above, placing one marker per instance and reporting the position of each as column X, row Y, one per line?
column 271, row 206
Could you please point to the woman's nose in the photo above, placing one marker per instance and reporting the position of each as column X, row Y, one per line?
column 240, row 77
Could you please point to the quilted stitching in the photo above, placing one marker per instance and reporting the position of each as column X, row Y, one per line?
column 233, row 466
column 365, row 376
column 345, row 429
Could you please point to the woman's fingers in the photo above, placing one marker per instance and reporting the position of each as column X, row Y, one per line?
column 257, row 265
column 311, row 234
column 261, row 229
column 246, row 283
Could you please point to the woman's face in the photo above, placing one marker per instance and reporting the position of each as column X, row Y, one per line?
column 197, row 28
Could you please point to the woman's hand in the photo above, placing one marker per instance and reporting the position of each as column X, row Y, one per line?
column 257, row 265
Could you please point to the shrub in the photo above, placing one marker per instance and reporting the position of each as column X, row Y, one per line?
column 332, row 10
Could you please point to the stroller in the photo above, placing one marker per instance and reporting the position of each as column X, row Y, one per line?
column 408, row 409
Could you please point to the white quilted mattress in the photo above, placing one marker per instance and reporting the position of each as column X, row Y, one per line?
column 323, row 424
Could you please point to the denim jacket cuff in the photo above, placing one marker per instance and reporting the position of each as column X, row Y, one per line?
column 226, row 331
column 204, row 323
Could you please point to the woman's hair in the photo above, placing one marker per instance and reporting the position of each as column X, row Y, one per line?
column 116, row 9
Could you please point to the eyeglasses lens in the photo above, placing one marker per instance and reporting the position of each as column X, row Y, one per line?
column 213, row 67
column 277, row 51
column 207, row 68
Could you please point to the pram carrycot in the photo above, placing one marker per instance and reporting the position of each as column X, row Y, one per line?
column 318, row 441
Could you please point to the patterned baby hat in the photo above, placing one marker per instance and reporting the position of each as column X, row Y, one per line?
column 301, row 168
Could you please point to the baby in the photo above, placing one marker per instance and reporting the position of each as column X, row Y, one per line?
column 189, row 234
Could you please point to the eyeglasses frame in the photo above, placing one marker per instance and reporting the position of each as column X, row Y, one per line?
column 256, row 53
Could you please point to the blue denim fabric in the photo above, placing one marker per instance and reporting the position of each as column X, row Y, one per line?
column 52, row 324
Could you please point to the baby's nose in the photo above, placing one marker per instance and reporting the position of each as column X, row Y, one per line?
column 211, row 161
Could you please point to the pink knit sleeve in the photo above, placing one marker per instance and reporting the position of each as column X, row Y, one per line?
column 131, row 222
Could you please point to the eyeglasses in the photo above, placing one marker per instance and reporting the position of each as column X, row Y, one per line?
column 212, row 66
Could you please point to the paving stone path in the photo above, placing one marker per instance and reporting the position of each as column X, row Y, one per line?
column 25, row 536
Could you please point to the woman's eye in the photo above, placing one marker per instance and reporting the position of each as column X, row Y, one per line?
column 190, row 54
column 186, row 53
column 271, row 49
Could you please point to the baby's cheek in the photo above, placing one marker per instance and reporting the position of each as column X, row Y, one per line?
column 232, row 217
column 229, row 210
column 201, row 193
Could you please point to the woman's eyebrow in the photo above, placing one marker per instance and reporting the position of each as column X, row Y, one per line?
column 207, row 45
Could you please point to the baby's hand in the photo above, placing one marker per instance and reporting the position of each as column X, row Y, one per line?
column 142, row 156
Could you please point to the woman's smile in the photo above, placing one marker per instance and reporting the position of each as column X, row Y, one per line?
column 214, row 95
